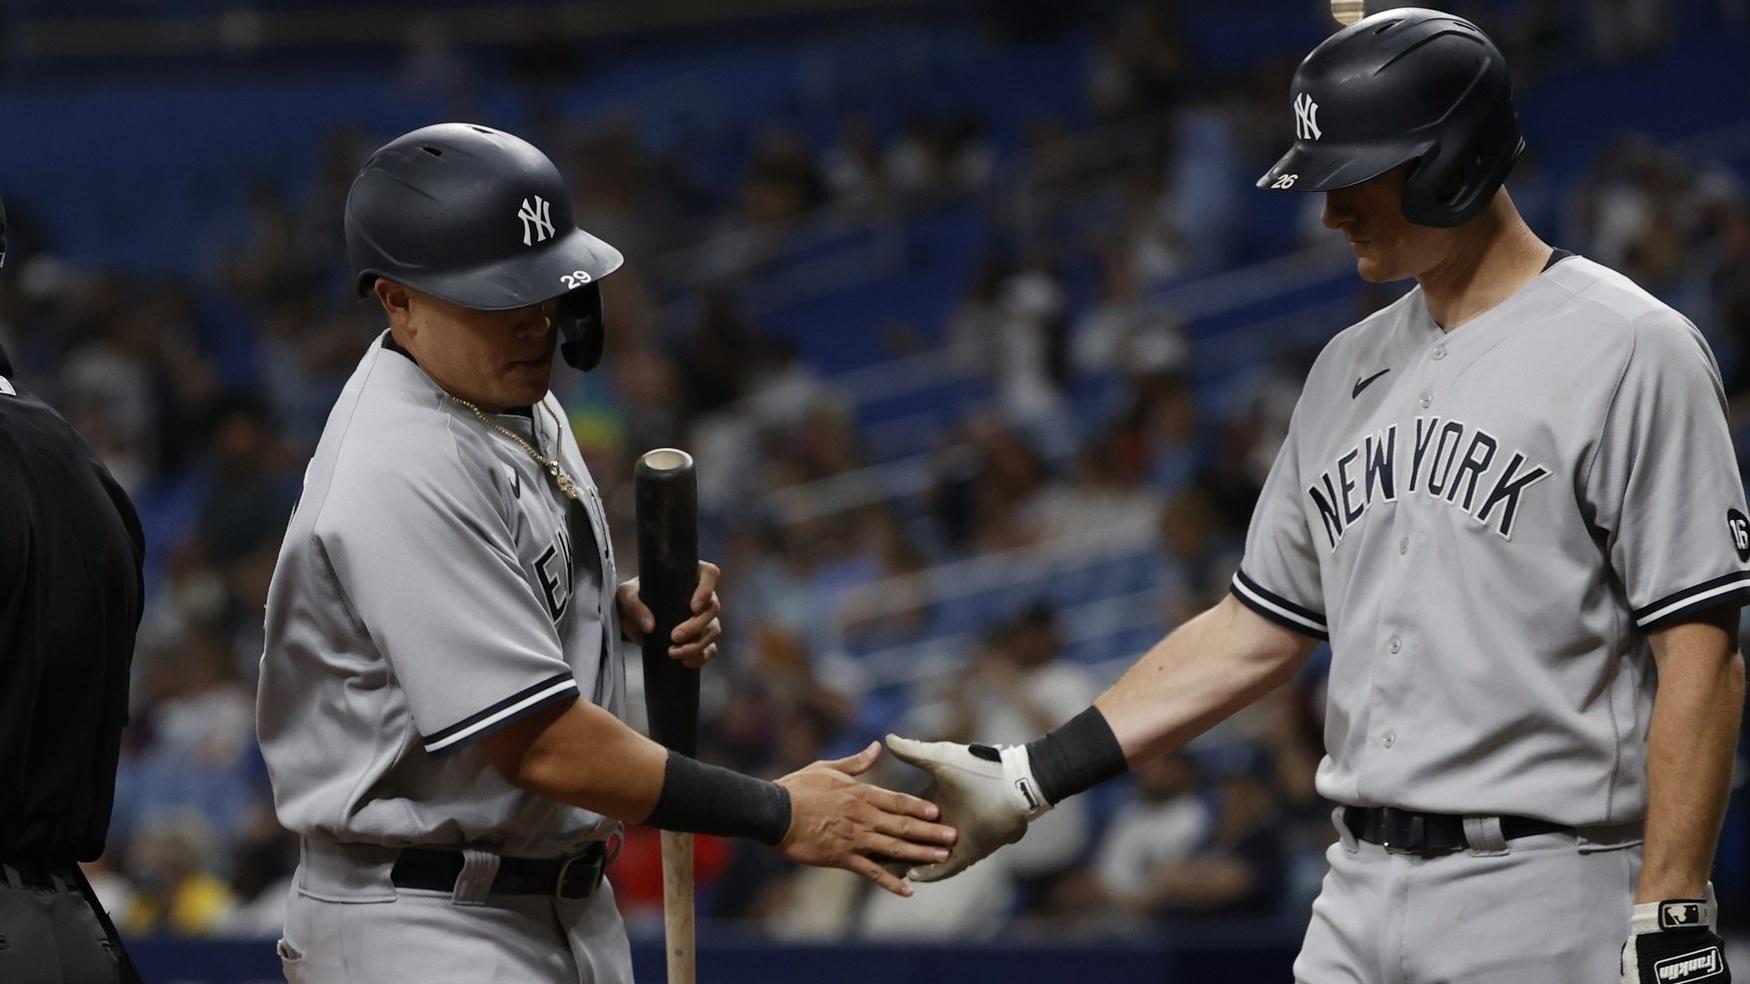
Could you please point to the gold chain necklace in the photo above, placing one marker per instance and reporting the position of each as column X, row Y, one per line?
column 560, row 479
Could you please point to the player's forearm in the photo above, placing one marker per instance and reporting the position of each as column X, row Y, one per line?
column 1199, row 674
column 1690, row 749
column 583, row 756
column 586, row 757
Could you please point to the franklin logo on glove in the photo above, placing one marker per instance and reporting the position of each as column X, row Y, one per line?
column 1696, row 966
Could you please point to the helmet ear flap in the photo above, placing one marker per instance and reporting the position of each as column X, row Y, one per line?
column 582, row 332
column 1450, row 187
column 1439, row 189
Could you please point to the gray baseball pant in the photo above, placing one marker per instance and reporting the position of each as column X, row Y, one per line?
column 1545, row 909
column 345, row 924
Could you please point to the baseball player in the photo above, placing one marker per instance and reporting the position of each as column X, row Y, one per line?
column 441, row 688
column 1509, row 501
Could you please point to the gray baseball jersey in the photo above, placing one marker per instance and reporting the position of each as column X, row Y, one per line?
column 1485, row 523
column 433, row 586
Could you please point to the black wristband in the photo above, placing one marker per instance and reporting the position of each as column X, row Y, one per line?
column 1080, row 754
column 704, row 799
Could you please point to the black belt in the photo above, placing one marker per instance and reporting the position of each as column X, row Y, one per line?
column 65, row 876
column 1430, row 833
column 575, row 877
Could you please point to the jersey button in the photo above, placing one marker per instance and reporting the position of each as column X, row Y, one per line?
column 1439, row 353
column 1389, row 739
column 1396, row 645
column 1403, row 546
column 1426, row 401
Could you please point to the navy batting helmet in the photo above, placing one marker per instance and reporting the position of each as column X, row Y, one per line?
column 1405, row 86
column 479, row 218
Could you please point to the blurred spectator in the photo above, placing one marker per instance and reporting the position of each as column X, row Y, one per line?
column 1164, row 824
column 201, row 760
column 714, row 371
column 893, row 608
column 1208, row 205
column 275, row 264
column 1166, row 857
column 973, row 158
column 920, row 165
column 304, row 355
column 1138, row 65
column 113, row 391
column 1201, row 555
column 1157, row 244
column 648, row 389
column 1123, row 332
column 974, row 326
column 175, row 891
column 632, row 197
column 1159, row 435
column 1031, row 365
column 1105, row 502
column 981, row 487
column 853, row 168
column 249, row 492
column 781, row 181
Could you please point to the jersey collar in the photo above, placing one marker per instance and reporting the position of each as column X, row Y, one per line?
column 389, row 342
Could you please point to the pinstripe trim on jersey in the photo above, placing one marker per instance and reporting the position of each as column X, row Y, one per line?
column 1704, row 595
column 500, row 714
column 1277, row 608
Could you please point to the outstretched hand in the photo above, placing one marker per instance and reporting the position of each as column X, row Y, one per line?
column 838, row 822
column 987, row 794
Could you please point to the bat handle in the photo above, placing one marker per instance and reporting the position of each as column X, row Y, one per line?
column 677, row 906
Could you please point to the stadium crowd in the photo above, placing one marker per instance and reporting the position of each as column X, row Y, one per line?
column 1097, row 424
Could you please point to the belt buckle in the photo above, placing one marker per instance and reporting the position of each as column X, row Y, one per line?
column 1400, row 832
column 596, row 856
column 587, row 857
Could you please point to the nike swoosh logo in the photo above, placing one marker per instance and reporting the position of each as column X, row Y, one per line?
column 1361, row 384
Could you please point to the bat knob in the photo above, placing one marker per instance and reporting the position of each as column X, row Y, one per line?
column 666, row 460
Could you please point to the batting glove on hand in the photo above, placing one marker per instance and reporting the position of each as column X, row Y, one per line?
column 1673, row 942
column 986, row 793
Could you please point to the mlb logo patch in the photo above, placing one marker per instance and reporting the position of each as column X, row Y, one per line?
column 1679, row 915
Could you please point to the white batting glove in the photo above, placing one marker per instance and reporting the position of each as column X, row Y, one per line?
column 986, row 793
column 1675, row 942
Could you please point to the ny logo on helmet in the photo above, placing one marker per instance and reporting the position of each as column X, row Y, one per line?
column 537, row 221
column 1306, row 117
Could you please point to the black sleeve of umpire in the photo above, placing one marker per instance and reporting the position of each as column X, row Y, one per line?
column 704, row 799
column 1080, row 754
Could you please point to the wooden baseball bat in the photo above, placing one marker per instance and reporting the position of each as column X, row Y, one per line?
column 667, row 501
